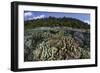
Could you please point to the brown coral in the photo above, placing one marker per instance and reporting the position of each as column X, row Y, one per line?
column 58, row 48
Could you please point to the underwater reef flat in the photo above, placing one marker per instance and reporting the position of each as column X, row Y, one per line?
column 56, row 43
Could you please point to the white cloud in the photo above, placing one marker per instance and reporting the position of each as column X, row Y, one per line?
column 39, row 17
column 28, row 14
column 30, row 18
column 87, row 21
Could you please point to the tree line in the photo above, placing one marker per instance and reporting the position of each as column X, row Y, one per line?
column 54, row 21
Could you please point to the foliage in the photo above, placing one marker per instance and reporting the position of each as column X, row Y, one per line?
column 53, row 21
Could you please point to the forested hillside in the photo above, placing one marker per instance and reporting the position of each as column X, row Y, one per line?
column 53, row 21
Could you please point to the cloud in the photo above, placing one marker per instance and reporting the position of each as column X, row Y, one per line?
column 87, row 21
column 28, row 14
column 30, row 18
column 39, row 17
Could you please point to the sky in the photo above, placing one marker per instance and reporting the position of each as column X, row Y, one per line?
column 30, row 15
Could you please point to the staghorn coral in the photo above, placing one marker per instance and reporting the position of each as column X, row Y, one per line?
column 55, row 44
column 57, row 48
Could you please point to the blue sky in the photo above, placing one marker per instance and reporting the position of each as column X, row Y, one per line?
column 29, row 15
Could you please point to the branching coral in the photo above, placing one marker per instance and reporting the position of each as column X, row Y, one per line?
column 52, row 44
column 57, row 49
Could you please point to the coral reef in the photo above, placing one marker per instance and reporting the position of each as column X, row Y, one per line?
column 55, row 44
